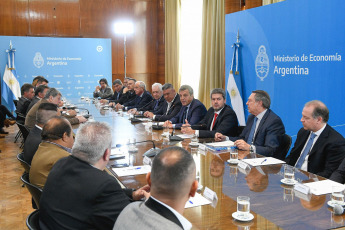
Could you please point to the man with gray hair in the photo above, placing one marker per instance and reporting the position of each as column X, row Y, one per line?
column 192, row 110
column 141, row 99
column 44, row 113
column 219, row 118
column 264, row 131
column 52, row 96
column 78, row 193
column 154, row 105
column 169, row 193
column 318, row 149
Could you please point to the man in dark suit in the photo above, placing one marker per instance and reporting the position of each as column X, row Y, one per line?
column 40, row 92
column 339, row 174
column 141, row 99
column 44, row 113
column 28, row 92
column 78, row 193
column 170, row 191
column 118, row 92
column 154, row 105
column 103, row 90
column 219, row 118
column 318, row 149
column 171, row 106
column 127, row 96
column 264, row 131
column 192, row 110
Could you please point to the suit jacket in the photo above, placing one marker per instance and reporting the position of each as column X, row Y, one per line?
column 326, row 154
column 32, row 103
column 226, row 123
column 339, row 174
column 23, row 104
column 128, row 96
column 196, row 112
column 147, row 215
column 151, row 105
column 138, row 101
column 114, row 98
column 269, row 134
column 31, row 144
column 79, row 196
column 162, row 114
column 45, row 157
column 103, row 94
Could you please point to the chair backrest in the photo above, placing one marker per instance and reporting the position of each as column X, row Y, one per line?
column 240, row 129
column 26, row 165
column 32, row 221
column 15, row 103
column 35, row 191
column 25, row 131
column 284, row 147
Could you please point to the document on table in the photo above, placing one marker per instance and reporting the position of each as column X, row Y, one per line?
column 133, row 170
column 221, row 144
column 322, row 187
column 263, row 161
column 145, row 119
column 185, row 136
column 197, row 200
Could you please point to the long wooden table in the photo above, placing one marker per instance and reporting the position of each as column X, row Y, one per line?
column 273, row 205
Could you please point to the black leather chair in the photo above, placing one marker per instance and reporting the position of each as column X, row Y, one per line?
column 26, row 165
column 32, row 221
column 240, row 129
column 284, row 147
column 34, row 190
column 24, row 131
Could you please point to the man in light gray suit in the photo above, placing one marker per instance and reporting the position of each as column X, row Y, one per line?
column 169, row 193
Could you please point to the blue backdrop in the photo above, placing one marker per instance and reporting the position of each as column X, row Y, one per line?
column 294, row 50
column 72, row 65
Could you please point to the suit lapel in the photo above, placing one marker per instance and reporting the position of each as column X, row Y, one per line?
column 262, row 122
column 319, row 140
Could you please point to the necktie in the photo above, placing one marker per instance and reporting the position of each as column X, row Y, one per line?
column 252, row 131
column 184, row 115
column 118, row 94
column 156, row 105
column 214, row 120
column 306, row 151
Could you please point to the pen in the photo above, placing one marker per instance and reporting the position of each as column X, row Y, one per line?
column 264, row 161
column 191, row 202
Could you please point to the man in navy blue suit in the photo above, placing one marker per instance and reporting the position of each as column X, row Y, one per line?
column 264, row 131
column 219, row 118
column 192, row 109
column 141, row 99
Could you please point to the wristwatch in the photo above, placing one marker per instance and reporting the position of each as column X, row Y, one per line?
column 251, row 148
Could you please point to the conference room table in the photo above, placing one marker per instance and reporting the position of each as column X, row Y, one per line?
column 274, row 205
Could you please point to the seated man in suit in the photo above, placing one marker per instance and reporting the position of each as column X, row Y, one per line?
column 52, row 96
column 118, row 92
column 264, row 131
column 39, row 80
column 339, row 174
column 127, row 96
column 154, row 105
column 318, row 149
column 192, row 110
column 170, row 107
column 57, row 141
column 219, row 118
column 40, row 92
column 103, row 91
column 169, row 193
column 79, row 194
column 4, row 121
column 45, row 112
column 141, row 99
column 28, row 92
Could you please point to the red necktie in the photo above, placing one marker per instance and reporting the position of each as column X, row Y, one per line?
column 214, row 119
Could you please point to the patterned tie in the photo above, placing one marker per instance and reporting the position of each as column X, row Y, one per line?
column 252, row 131
column 184, row 115
column 214, row 120
column 306, row 151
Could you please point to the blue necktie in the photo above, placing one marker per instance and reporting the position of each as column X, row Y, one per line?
column 252, row 131
column 184, row 115
column 306, row 151
column 156, row 105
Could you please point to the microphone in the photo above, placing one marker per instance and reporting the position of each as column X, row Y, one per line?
column 149, row 153
column 85, row 115
column 174, row 138
column 338, row 209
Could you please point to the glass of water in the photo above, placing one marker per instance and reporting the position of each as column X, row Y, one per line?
column 289, row 174
column 233, row 155
column 243, row 206
column 132, row 146
column 166, row 131
column 338, row 195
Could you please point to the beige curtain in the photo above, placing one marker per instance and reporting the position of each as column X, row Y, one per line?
column 212, row 50
column 172, row 42
column 266, row 2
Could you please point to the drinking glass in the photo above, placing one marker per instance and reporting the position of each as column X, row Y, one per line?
column 233, row 155
column 289, row 174
column 338, row 195
column 243, row 206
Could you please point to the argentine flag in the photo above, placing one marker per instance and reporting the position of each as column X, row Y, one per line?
column 10, row 87
column 236, row 99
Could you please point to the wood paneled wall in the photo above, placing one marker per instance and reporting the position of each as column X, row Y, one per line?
column 95, row 19
column 232, row 6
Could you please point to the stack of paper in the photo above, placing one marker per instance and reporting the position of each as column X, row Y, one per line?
column 133, row 170
column 263, row 161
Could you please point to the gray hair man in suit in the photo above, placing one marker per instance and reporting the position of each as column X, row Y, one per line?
column 169, row 193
